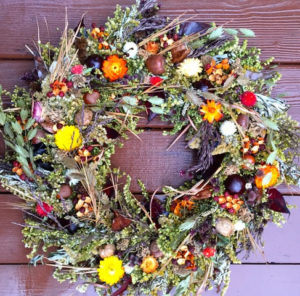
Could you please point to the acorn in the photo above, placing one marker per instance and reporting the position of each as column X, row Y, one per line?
column 38, row 136
column 94, row 61
column 91, row 98
column 65, row 191
column 179, row 53
column 235, row 184
column 48, row 126
column 249, row 162
column 243, row 120
column 155, row 251
column 156, row 64
column 84, row 117
column 107, row 251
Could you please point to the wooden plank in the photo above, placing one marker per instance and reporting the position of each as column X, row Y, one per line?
column 149, row 161
column 20, row 280
column 281, row 244
column 276, row 23
column 12, row 247
column 246, row 280
column 11, row 72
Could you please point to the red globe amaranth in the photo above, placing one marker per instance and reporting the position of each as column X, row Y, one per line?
column 157, row 81
column 43, row 210
column 209, row 252
column 248, row 99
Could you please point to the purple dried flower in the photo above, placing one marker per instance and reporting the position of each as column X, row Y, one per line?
column 37, row 111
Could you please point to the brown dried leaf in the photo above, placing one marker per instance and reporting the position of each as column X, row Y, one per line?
column 120, row 222
column 204, row 193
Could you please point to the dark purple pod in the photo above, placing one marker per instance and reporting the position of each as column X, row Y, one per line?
column 235, row 184
column 276, row 201
column 189, row 28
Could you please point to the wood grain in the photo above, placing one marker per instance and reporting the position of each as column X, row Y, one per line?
column 276, row 23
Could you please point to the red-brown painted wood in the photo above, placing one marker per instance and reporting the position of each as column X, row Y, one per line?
column 276, row 23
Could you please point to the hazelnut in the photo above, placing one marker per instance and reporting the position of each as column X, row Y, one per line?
column 84, row 117
column 156, row 64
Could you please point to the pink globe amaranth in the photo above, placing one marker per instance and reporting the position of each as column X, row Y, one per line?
column 248, row 99
column 77, row 69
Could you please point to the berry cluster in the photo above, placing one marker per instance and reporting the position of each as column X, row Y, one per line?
column 88, row 154
column 230, row 202
column 60, row 88
column 83, row 205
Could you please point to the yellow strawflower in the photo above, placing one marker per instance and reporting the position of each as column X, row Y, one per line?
column 68, row 138
column 110, row 270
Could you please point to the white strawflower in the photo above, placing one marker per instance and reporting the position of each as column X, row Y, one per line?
column 239, row 225
column 131, row 49
column 190, row 67
column 228, row 128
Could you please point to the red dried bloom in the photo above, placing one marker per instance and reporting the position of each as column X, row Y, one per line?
column 248, row 99
column 44, row 209
column 157, row 81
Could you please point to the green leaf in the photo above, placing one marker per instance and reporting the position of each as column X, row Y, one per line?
column 21, row 151
column 267, row 178
column 22, row 160
column 9, row 144
column 216, row 33
column 182, row 287
column 24, row 114
column 270, row 124
column 29, row 123
column 196, row 44
column 247, row 32
column 87, row 71
column 32, row 134
column 27, row 171
column 223, row 241
column 130, row 100
column 2, row 118
column 20, row 140
column 157, row 110
column 17, row 127
column 156, row 100
column 231, row 31
column 31, row 157
column 188, row 224
column 8, row 131
column 271, row 158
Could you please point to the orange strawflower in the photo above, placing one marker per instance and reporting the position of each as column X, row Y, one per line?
column 264, row 172
column 98, row 33
column 212, row 111
column 179, row 205
column 114, row 68
column 149, row 264
column 58, row 87
column 152, row 47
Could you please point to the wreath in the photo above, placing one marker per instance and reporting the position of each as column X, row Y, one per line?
column 87, row 94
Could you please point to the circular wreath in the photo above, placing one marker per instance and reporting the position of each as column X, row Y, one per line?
column 87, row 93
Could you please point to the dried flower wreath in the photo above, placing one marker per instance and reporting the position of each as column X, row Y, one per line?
column 87, row 93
